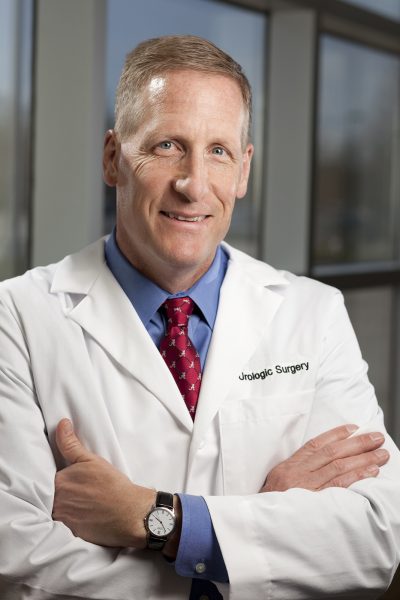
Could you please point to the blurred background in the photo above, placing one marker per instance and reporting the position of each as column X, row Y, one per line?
column 324, row 198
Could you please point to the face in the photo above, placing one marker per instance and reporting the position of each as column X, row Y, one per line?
column 179, row 174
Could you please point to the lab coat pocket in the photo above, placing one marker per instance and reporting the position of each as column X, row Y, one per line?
column 259, row 432
column 265, row 407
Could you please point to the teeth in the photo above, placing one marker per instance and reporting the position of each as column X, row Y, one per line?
column 189, row 218
column 180, row 218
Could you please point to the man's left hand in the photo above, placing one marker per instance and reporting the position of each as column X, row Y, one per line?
column 96, row 501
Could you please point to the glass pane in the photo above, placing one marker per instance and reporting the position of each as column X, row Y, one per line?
column 15, row 99
column 387, row 8
column 370, row 311
column 239, row 32
column 357, row 164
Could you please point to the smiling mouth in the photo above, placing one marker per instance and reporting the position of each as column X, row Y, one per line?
column 177, row 217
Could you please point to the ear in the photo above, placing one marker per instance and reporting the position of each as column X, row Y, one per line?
column 244, row 177
column 111, row 152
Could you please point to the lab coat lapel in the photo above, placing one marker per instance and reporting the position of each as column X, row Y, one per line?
column 248, row 303
column 106, row 314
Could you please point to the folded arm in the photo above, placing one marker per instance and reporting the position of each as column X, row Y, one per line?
column 41, row 558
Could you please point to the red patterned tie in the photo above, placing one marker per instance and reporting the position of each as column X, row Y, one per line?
column 179, row 353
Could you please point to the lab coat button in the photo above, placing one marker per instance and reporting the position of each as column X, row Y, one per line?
column 201, row 445
column 200, row 568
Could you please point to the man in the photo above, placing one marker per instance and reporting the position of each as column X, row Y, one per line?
column 172, row 409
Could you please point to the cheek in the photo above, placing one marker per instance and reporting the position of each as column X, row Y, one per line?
column 139, row 199
column 150, row 178
column 227, row 197
column 133, row 168
column 226, row 183
column 126, row 170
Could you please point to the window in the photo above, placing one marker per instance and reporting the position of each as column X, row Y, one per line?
column 15, row 106
column 358, row 155
column 356, row 224
column 387, row 8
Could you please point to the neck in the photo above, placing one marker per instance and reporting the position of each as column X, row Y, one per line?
column 171, row 278
column 172, row 281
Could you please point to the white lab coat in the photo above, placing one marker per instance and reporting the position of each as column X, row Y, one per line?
column 72, row 346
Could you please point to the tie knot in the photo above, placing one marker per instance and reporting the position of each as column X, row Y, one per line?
column 179, row 310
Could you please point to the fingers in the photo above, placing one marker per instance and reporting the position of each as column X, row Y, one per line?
column 336, row 459
column 355, row 445
column 333, row 459
column 343, row 473
column 328, row 437
column 335, row 445
column 69, row 445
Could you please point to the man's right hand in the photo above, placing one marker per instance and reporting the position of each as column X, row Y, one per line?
column 332, row 459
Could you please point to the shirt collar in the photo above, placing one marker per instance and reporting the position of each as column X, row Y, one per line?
column 146, row 296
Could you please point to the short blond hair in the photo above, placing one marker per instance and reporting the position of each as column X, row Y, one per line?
column 156, row 57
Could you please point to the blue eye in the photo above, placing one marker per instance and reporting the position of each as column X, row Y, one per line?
column 218, row 151
column 165, row 145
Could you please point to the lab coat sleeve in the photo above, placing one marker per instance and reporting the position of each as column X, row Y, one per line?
column 337, row 542
column 40, row 558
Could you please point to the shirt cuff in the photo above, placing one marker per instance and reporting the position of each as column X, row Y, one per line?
column 199, row 554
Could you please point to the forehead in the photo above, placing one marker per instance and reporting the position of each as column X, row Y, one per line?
column 187, row 96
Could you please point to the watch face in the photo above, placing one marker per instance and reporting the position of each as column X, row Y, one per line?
column 161, row 522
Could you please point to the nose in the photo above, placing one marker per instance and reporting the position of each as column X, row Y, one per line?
column 191, row 180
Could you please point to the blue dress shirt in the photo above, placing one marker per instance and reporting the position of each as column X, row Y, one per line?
column 198, row 543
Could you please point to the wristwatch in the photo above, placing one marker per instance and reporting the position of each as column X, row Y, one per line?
column 161, row 521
